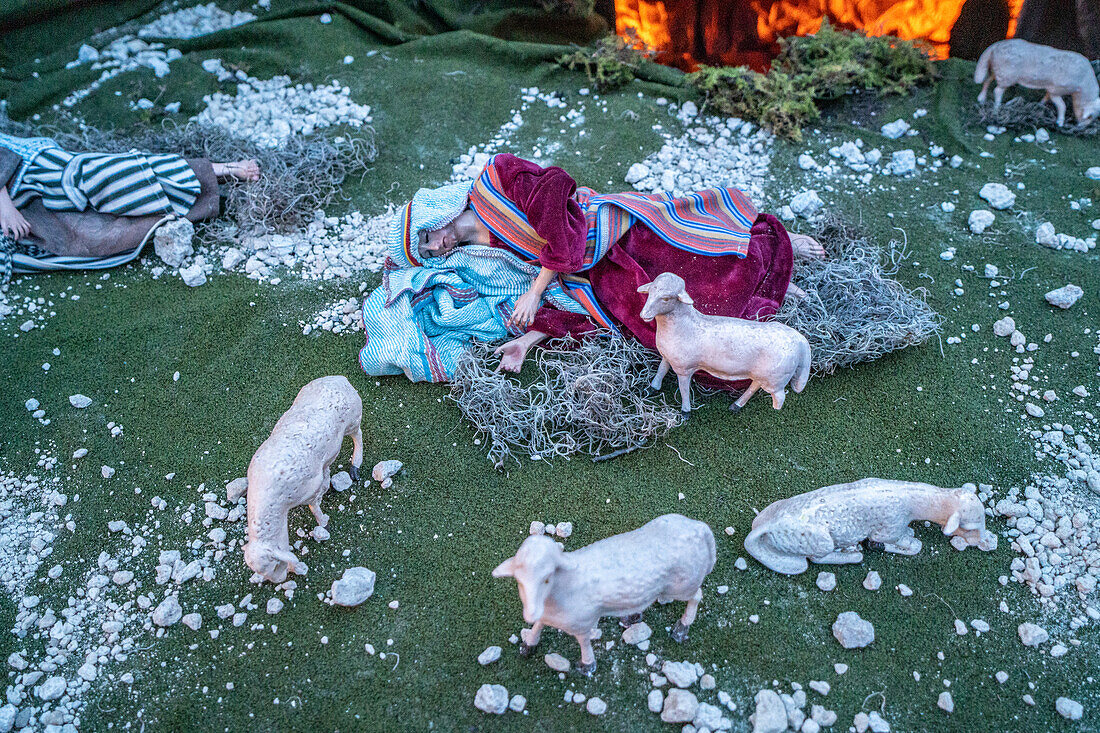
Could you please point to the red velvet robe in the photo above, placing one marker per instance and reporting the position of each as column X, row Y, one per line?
column 750, row 287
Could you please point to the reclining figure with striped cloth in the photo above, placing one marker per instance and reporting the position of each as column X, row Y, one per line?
column 546, row 258
column 65, row 211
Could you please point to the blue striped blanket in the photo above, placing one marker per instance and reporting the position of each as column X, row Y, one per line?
column 422, row 318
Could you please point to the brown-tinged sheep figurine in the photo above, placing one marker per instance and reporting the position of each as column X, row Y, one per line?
column 771, row 355
column 663, row 560
column 1031, row 65
column 291, row 468
column 827, row 525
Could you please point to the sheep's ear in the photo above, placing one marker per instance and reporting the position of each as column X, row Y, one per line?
column 644, row 288
column 952, row 524
column 506, row 569
column 685, row 298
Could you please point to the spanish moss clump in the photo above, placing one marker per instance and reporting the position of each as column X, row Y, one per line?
column 611, row 62
column 587, row 397
column 1020, row 114
column 855, row 311
column 296, row 179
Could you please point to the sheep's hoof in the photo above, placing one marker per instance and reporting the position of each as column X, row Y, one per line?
column 685, row 415
column 735, row 407
column 354, row 473
column 628, row 621
column 873, row 546
column 586, row 669
column 525, row 649
column 679, row 633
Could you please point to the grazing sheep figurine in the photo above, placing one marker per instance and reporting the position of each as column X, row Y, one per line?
column 664, row 560
column 291, row 468
column 827, row 525
column 769, row 354
column 1031, row 65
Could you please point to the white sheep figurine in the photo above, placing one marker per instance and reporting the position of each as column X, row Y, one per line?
column 664, row 560
column 769, row 354
column 1060, row 73
column 291, row 468
column 827, row 525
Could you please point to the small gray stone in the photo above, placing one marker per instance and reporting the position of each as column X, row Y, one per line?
column 341, row 481
column 852, row 631
column 945, row 702
column 806, row 204
column 172, row 242
column 192, row 621
column 821, row 687
column 52, row 688
column 826, row 581
column 637, row 633
column 236, row 488
column 490, row 655
column 274, row 605
column 1032, row 634
column 492, row 699
column 680, row 706
column 655, row 700
column 876, row 723
column 386, row 469
column 1004, row 327
column 980, row 220
column 895, row 129
column 193, row 276
column 80, row 401
column 596, row 706
column 873, row 581
column 770, row 715
column 681, row 674
column 517, row 703
column 167, row 612
column 556, row 662
column 354, row 587
column 998, row 195
column 1063, row 297
column 1069, row 709
column 106, row 472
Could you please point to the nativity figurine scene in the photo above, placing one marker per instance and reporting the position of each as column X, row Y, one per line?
column 236, row 234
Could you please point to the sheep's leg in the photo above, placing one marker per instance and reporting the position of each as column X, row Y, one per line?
column 659, row 379
column 684, row 381
column 907, row 544
column 736, row 406
column 777, row 398
column 587, row 665
column 628, row 621
column 315, row 505
column 1046, row 98
column 998, row 95
column 1060, row 105
column 529, row 639
column 356, row 454
column 840, row 557
column 680, row 630
column 985, row 90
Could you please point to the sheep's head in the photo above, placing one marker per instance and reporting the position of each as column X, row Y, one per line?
column 968, row 516
column 665, row 292
column 533, row 567
column 270, row 562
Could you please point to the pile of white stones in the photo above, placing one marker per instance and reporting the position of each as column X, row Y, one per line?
column 341, row 316
column 127, row 53
column 1046, row 235
column 194, row 21
column 268, row 112
column 713, row 152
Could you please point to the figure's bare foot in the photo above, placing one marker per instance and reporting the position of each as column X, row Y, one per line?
column 514, row 352
column 241, row 170
column 806, row 247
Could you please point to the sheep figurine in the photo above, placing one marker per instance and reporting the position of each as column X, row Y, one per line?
column 1060, row 73
column 770, row 355
column 664, row 560
column 291, row 468
column 827, row 525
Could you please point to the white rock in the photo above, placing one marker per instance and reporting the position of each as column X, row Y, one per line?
column 806, row 204
column 236, row 488
column 806, row 162
column 556, row 662
column 517, row 703
column 680, row 706
column 320, row 534
column 945, row 703
column 490, row 655
column 341, row 481
column 637, row 633
column 386, row 469
column 903, row 162
column 980, row 220
column 876, row 723
column 1067, row 708
column 354, row 587
column 106, row 471
column 637, row 172
column 596, row 706
column 79, row 401
column 681, row 674
column 655, row 700
column 1004, row 327
column 826, row 581
column 492, row 699
column 193, row 276
column 770, row 715
column 998, row 195
column 1093, row 173
column 821, row 687
column 172, row 241
column 192, row 621
column 563, row 529
column 167, row 612
column 873, row 581
column 1032, row 634
column 52, row 688
column 1046, row 236
column 26, row 326
column 852, row 631
column 895, row 129
column 232, row 258
column 1063, row 297
column 274, row 605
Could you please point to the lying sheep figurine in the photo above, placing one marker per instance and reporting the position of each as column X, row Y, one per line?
column 1034, row 66
column 291, row 468
column 770, row 355
column 827, row 525
column 664, row 560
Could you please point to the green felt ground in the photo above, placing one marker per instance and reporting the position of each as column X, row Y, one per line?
column 923, row 414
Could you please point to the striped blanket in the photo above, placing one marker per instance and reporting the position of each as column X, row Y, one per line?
column 421, row 319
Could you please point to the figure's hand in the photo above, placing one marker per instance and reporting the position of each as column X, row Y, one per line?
column 12, row 222
column 526, row 307
column 512, row 354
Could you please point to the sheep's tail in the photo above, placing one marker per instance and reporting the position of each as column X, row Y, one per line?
column 803, row 374
column 982, row 71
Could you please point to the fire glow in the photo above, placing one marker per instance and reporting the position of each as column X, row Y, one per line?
column 716, row 31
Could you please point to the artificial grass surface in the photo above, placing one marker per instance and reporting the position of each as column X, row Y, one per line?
column 434, row 537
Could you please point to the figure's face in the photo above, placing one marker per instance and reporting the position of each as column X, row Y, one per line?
column 438, row 243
